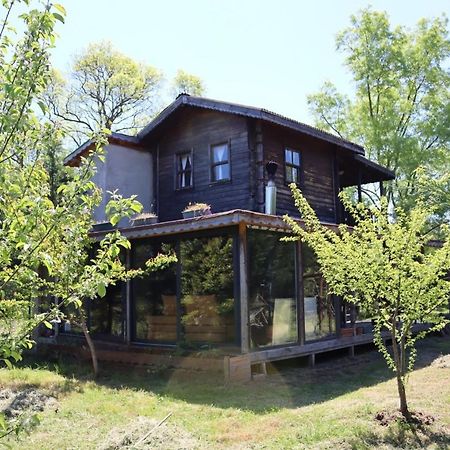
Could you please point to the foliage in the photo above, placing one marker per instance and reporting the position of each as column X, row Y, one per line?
column 400, row 109
column 197, row 207
column 185, row 83
column 106, row 89
column 45, row 251
column 384, row 267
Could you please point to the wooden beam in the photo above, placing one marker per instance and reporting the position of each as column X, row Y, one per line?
column 128, row 300
column 243, row 280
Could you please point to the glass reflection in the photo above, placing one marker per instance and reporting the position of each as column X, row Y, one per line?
column 272, row 301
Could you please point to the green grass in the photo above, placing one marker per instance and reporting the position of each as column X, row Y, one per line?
column 331, row 406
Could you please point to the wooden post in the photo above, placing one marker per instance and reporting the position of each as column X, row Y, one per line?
column 128, row 301
column 300, row 294
column 359, row 186
column 312, row 360
column 243, row 281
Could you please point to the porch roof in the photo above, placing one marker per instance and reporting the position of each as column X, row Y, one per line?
column 208, row 222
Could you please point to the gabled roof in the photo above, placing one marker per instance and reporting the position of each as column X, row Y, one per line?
column 114, row 138
column 186, row 100
column 246, row 111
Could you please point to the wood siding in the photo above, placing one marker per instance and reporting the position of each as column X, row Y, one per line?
column 317, row 181
column 197, row 130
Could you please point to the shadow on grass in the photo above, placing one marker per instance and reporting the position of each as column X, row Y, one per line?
column 400, row 435
column 288, row 385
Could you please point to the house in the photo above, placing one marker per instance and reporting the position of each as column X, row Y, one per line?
column 236, row 286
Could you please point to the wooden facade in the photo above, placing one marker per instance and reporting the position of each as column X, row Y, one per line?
column 263, row 309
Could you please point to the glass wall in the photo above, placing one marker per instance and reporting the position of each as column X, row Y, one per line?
column 320, row 317
column 272, row 292
column 154, row 295
column 207, row 289
column 107, row 314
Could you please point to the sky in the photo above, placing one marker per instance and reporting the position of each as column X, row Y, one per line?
column 269, row 54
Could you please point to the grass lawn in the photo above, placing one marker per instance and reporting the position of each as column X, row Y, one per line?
column 329, row 407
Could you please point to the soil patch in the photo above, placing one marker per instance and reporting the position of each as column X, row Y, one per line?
column 15, row 403
column 167, row 436
column 418, row 418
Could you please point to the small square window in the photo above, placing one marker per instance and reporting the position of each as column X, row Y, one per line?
column 184, row 170
column 220, row 162
column 292, row 165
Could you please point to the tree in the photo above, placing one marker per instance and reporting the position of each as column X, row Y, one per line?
column 45, row 249
column 106, row 89
column 400, row 109
column 387, row 269
column 185, row 83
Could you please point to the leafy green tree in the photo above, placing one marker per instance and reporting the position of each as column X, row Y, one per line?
column 185, row 83
column 45, row 249
column 106, row 89
column 387, row 269
column 400, row 110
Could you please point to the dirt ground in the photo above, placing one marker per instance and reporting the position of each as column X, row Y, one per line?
column 16, row 403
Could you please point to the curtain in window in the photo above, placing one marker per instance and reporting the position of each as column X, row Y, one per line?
column 185, row 172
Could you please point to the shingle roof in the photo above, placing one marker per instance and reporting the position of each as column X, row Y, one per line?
column 185, row 100
column 246, row 111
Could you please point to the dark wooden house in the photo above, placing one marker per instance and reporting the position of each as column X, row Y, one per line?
column 236, row 286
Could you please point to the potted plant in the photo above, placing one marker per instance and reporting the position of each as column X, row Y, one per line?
column 144, row 218
column 196, row 210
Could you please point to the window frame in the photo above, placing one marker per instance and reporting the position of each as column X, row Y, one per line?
column 291, row 165
column 178, row 172
column 213, row 165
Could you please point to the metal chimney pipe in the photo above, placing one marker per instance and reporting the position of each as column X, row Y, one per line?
column 271, row 189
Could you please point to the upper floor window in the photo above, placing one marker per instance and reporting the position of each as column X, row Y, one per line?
column 292, row 165
column 184, row 170
column 220, row 162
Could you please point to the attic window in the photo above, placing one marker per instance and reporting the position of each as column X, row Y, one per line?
column 184, row 170
column 220, row 162
column 292, row 165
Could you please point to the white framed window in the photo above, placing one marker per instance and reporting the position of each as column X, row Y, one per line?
column 292, row 162
column 184, row 173
column 220, row 162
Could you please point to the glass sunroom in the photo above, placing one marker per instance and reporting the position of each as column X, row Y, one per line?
column 236, row 286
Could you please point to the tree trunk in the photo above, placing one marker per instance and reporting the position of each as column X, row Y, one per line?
column 400, row 372
column 402, row 395
column 91, row 345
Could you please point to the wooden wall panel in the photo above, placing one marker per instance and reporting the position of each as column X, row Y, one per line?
column 317, row 170
column 197, row 129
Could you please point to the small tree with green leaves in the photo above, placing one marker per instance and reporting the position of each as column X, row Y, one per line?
column 385, row 267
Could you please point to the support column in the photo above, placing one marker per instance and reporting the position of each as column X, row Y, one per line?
column 128, row 300
column 243, row 288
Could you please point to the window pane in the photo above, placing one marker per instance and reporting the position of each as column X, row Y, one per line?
column 288, row 156
column 296, row 158
column 272, row 305
column 220, row 153
column 154, row 296
column 207, row 289
column 184, row 175
column 106, row 314
column 221, row 172
column 320, row 318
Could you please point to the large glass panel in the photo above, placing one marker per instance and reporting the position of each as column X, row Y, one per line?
column 320, row 318
column 207, row 289
column 272, row 302
column 154, row 295
column 106, row 315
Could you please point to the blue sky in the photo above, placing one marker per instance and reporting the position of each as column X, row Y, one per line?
column 263, row 53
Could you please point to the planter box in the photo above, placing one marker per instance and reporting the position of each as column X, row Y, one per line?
column 144, row 221
column 196, row 213
column 104, row 226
